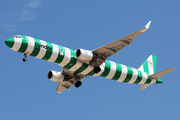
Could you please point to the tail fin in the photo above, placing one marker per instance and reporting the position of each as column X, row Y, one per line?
column 149, row 66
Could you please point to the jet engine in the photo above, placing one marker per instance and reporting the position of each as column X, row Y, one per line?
column 56, row 76
column 84, row 55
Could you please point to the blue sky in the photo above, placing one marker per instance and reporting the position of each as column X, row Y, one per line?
column 27, row 94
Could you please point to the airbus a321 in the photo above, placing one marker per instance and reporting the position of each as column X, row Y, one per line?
column 77, row 64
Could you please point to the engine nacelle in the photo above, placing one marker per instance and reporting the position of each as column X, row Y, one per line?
column 55, row 76
column 84, row 55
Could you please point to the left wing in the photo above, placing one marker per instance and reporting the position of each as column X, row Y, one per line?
column 112, row 48
column 69, row 80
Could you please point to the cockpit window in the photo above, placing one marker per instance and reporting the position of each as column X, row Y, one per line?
column 17, row 36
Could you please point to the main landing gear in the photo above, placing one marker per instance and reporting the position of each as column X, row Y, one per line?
column 25, row 57
column 78, row 83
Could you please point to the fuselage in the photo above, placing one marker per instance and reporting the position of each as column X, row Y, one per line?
column 66, row 58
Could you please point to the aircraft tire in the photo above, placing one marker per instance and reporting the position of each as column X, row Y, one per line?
column 78, row 83
column 24, row 59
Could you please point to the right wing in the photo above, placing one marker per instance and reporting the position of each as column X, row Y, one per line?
column 112, row 48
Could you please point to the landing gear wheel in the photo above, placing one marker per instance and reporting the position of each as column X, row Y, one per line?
column 97, row 69
column 24, row 59
column 78, row 83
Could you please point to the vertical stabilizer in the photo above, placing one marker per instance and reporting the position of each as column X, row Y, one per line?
column 149, row 66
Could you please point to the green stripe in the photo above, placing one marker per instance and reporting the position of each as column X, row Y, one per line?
column 154, row 62
column 60, row 57
column 73, row 53
column 118, row 72
column 10, row 42
column 82, row 68
column 107, row 68
column 49, row 51
column 146, row 67
column 158, row 81
column 147, row 81
column 139, row 78
column 72, row 62
column 129, row 74
column 91, row 73
column 36, row 48
column 24, row 46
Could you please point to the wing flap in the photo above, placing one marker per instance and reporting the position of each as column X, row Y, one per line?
column 60, row 88
column 64, row 85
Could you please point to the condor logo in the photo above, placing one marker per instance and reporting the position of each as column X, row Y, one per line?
column 43, row 46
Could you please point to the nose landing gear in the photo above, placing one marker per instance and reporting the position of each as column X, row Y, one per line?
column 25, row 57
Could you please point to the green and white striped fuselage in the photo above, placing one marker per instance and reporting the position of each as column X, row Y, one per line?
column 66, row 58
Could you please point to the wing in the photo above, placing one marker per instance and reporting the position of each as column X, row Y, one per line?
column 69, row 80
column 112, row 48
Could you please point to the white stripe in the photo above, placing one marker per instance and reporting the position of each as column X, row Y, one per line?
column 30, row 47
column 153, row 81
column 42, row 51
column 123, row 74
column 141, row 68
column 112, row 70
column 87, row 70
column 144, row 78
column 150, row 65
column 67, row 57
column 99, row 73
column 76, row 66
column 54, row 53
column 17, row 44
column 134, row 77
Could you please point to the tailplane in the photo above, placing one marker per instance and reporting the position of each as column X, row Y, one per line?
column 160, row 74
column 144, row 86
column 149, row 66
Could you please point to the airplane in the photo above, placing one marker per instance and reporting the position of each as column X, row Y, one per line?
column 80, row 63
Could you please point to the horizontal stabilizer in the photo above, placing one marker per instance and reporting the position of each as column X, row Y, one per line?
column 144, row 86
column 160, row 74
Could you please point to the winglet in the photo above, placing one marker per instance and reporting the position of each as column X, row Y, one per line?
column 147, row 25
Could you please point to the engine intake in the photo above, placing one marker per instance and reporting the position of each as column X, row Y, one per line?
column 84, row 55
column 55, row 76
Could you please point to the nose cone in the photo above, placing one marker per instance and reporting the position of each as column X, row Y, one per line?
column 10, row 42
